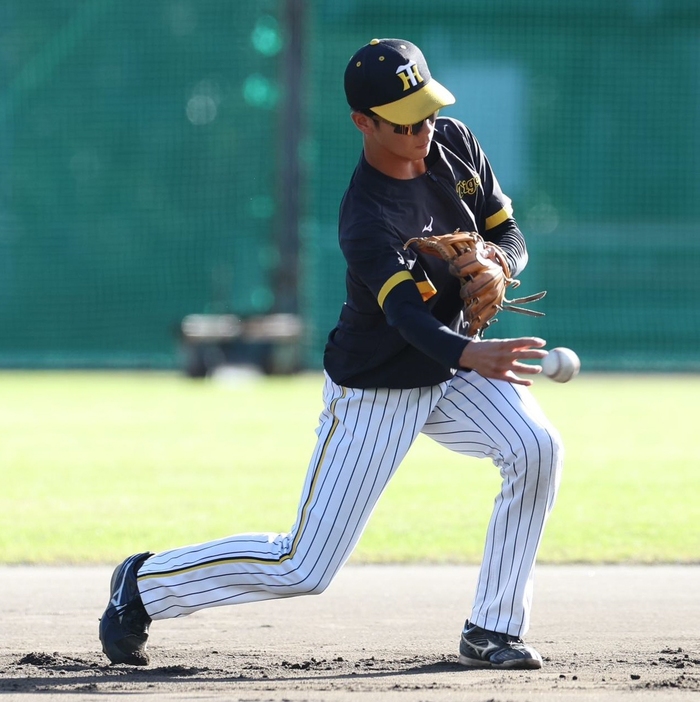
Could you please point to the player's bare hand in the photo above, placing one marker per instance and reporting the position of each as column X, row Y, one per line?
column 502, row 359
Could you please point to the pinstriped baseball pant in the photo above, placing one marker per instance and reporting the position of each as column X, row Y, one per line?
column 363, row 435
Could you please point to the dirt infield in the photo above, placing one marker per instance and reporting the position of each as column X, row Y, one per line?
column 379, row 632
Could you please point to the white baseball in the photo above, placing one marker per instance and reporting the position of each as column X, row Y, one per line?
column 561, row 364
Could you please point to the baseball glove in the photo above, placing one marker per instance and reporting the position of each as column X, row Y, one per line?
column 484, row 273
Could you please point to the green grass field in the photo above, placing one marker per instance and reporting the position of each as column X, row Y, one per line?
column 98, row 465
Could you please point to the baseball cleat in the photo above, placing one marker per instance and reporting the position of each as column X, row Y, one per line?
column 124, row 625
column 479, row 648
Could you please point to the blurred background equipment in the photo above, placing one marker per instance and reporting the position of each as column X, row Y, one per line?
column 270, row 342
column 177, row 158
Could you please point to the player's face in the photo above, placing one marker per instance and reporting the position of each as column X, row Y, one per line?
column 410, row 142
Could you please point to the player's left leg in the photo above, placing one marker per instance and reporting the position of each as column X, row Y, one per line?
column 495, row 419
column 362, row 437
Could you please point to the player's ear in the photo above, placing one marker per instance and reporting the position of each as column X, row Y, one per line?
column 363, row 122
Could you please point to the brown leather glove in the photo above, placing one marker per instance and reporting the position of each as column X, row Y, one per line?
column 483, row 270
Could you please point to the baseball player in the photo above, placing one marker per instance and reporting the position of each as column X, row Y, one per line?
column 397, row 364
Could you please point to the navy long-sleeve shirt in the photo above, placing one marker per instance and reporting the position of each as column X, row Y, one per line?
column 399, row 326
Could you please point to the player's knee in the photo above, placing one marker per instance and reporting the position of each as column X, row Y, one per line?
column 541, row 450
column 307, row 587
column 309, row 582
column 320, row 586
column 547, row 449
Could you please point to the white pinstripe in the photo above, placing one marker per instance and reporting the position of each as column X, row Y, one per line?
column 363, row 436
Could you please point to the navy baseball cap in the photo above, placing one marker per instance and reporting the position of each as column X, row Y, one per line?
column 391, row 77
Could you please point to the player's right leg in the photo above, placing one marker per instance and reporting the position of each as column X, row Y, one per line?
column 362, row 437
column 495, row 419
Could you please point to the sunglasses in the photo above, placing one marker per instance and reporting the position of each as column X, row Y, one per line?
column 406, row 129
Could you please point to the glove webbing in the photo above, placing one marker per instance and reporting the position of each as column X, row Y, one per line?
column 511, row 304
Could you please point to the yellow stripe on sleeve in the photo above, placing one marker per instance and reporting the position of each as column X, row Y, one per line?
column 391, row 284
column 501, row 216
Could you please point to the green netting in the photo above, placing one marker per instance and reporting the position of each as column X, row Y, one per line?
column 138, row 173
column 146, row 165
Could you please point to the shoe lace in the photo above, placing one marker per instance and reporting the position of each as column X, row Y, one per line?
column 505, row 638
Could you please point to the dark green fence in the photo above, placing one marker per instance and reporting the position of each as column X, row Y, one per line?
column 167, row 158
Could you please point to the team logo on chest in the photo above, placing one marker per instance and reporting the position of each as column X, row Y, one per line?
column 468, row 187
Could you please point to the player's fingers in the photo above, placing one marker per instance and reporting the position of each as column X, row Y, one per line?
column 533, row 354
column 528, row 342
column 511, row 377
column 527, row 368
